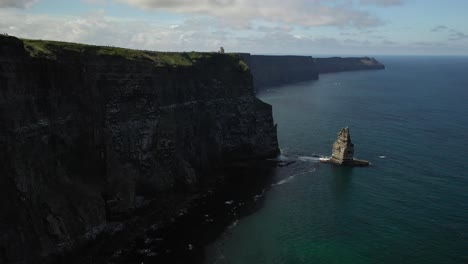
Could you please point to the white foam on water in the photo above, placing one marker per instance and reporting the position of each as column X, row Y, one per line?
column 382, row 157
column 259, row 195
column 290, row 178
column 307, row 158
column 284, row 181
column 282, row 157
column 233, row 225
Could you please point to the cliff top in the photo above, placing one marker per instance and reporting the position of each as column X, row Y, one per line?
column 52, row 50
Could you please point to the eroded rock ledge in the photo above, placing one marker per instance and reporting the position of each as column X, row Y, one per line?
column 87, row 134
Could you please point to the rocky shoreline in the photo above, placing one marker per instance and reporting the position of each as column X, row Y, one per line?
column 188, row 224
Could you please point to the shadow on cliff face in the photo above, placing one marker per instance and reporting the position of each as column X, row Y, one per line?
column 185, row 231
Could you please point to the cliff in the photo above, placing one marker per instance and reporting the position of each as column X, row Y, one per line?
column 337, row 64
column 270, row 71
column 88, row 133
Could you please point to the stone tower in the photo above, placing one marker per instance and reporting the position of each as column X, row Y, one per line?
column 343, row 148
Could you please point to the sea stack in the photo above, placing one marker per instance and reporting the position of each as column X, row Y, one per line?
column 343, row 151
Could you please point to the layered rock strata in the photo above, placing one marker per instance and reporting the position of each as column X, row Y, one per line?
column 343, row 151
column 89, row 133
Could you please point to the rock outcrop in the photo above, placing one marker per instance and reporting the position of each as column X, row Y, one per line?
column 87, row 133
column 343, row 151
column 338, row 64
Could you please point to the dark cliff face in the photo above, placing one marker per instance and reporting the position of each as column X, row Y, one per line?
column 87, row 132
column 270, row 71
column 337, row 64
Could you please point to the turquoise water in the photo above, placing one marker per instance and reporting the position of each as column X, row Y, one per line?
column 410, row 206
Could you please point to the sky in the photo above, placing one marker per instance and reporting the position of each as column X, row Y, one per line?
column 302, row 27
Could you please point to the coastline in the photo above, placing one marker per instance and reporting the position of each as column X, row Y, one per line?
column 186, row 228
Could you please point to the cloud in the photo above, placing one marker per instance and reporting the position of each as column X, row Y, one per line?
column 209, row 32
column 389, row 43
column 439, row 28
column 194, row 33
column 16, row 3
column 454, row 34
column 95, row 2
column 242, row 12
column 457, row 35
column 382, row 2
column 98, row 29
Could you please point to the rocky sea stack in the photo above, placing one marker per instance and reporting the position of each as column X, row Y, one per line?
column 343, row 151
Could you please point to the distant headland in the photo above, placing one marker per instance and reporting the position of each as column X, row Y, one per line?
column 272, row 70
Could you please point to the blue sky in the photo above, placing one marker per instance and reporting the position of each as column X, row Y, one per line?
column 312, row 27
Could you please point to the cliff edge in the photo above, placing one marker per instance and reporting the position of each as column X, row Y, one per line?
column 338, row 64
column 269, row 70
column 276, row 70
column 87, row 133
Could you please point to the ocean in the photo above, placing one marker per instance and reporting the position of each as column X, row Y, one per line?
column 410, row 206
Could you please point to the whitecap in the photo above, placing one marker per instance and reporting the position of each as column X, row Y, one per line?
column 308, row 158
column 382, row 157
column 290, row 178
column 259, row 195
column 233, row 225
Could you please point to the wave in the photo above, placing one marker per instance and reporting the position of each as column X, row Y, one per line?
column 256, row 197
column 308, row 158
column 290, row 178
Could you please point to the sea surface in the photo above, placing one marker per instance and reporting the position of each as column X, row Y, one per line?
column 410, row 206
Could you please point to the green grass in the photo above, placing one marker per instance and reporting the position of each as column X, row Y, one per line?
column 54, row 49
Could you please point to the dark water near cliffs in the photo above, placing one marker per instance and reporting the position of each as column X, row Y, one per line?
column 410, row 206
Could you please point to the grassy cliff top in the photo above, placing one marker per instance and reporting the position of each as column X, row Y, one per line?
column 55, row 49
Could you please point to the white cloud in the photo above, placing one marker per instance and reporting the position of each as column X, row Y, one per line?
column 202, row 34
column 99, row 29
column 242, row 12
column 16, row 3
column 382, row 2
column 208, row 33
column 96, row 2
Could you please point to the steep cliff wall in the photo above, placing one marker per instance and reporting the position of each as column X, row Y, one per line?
column 338, row 64
column 86, row 132
column 270, row 71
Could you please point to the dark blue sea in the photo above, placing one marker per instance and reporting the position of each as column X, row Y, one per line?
column 410, row 206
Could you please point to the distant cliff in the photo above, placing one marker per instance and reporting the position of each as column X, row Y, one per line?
column 338, row 64
column 270, row 71
column 87, row 133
